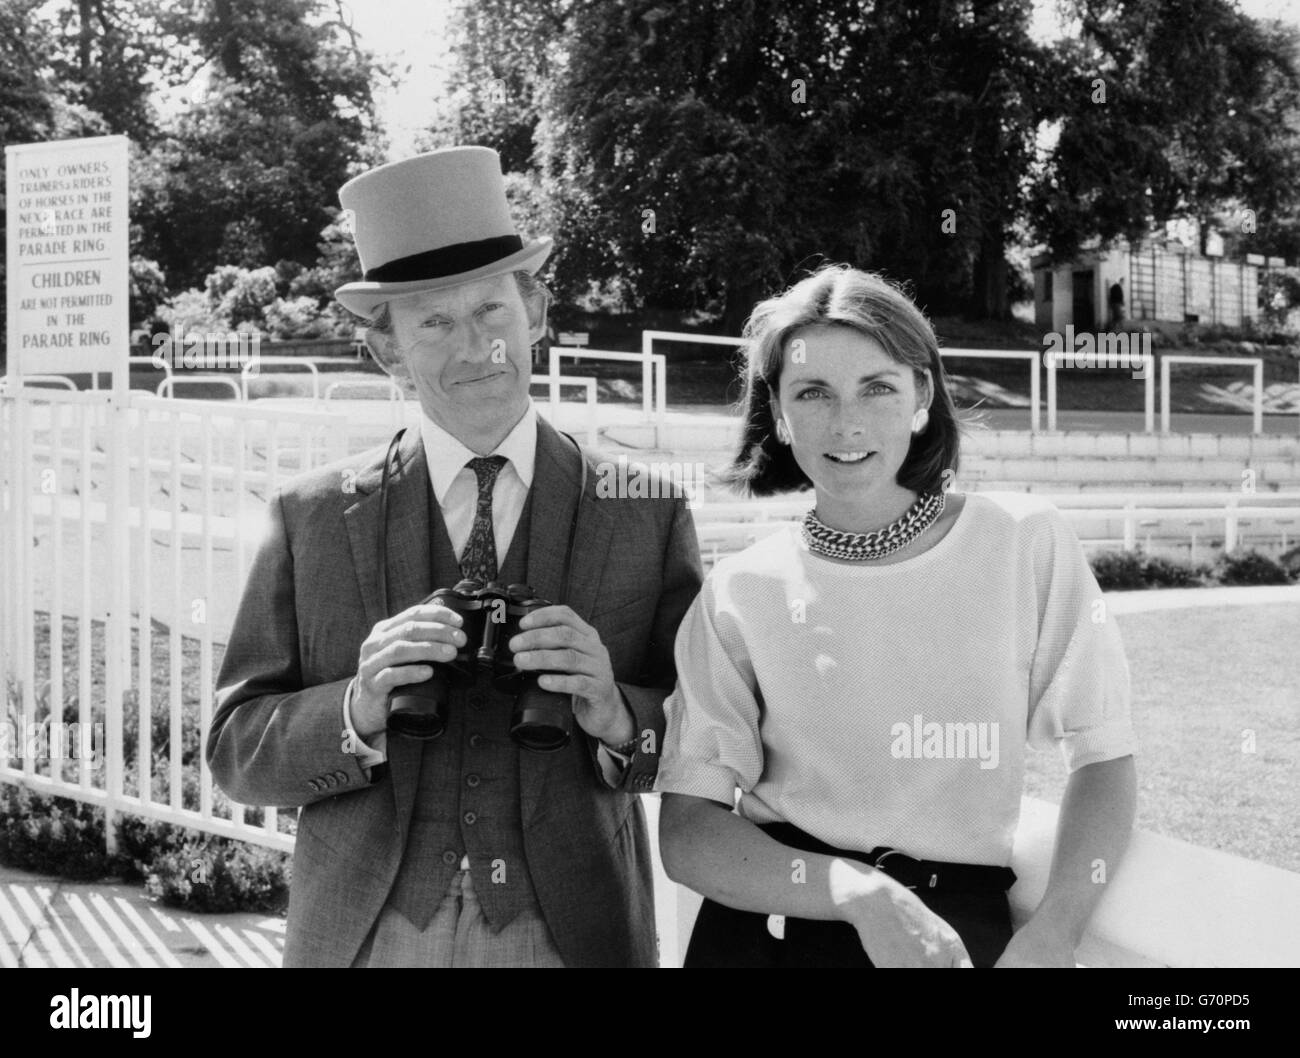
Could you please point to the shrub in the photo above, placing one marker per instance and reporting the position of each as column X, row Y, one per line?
column 52, row 835
column 299, row 317
column 181, row 867
column 1250, row 567
column 1160, row 572
column 1290, row 561
column 1118, row 570
column 141, row 842
column 219, row 876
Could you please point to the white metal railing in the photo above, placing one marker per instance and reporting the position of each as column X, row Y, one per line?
column 1258, row 377
column 61, row 381
column 167, row 387
column 1148, row 379
column 146, row 511
column 396, row 398
column 727, row 527
column 648, row 338
column 162, row 365
column 588, row 384
column 1035, row 398
column 253, row 367
column 651, row 395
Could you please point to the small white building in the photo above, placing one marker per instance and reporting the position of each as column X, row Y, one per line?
column 1164, row 281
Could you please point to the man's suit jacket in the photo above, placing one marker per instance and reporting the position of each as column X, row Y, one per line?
column 313, row 596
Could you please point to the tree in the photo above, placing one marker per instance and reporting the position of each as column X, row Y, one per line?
column 280, row 116
column 700, row 153
column 1170, row 109
column 106, row 53
column 27, row 99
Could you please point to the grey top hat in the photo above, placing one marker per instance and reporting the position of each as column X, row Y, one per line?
column 431, row 222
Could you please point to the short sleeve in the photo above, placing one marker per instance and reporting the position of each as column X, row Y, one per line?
column 1079, row 686
column 711, row 740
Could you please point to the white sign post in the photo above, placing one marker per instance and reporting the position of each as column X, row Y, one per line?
column 68, row 288
column 68, row 272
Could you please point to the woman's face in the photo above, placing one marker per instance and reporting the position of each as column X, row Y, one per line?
column 849, row 408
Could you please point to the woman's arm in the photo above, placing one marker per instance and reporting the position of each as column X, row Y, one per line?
column 1093, row 830
column 707, row 847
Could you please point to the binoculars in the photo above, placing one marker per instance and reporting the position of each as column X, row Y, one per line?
column 540, row 720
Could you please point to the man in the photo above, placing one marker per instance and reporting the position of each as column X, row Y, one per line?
column 1115, row 298
column 464, row 850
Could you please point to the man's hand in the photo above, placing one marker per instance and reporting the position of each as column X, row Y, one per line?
column 896, row 929
column 557, row 641
column 397, row 652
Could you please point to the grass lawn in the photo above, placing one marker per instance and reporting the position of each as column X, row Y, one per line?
column 1203, row 679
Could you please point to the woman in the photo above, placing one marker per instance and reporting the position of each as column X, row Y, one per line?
column 868, row 680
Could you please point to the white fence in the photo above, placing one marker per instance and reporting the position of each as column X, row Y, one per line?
column 115, row 577
column 1148, row 377
column 1255, row 363
column 653, row 395
column 1100, row 519
column 587, row 384
column 1035, row 386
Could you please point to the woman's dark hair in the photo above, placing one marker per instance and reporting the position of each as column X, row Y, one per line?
column 873, row 306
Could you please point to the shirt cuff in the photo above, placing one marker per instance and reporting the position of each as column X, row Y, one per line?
column 612, row 765
column 367, row 756
column 695, row 778
column 1093, row 745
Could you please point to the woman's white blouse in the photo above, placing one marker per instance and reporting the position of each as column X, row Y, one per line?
column 891, row 704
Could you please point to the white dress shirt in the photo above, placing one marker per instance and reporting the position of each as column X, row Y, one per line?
column 455, row 487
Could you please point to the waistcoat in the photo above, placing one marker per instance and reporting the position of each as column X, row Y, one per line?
column 467, row 797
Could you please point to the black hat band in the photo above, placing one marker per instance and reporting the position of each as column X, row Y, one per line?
column 446, row 260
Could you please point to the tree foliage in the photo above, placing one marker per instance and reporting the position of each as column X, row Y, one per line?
column 279, row 115
column 1171, row 109
column 691, row 110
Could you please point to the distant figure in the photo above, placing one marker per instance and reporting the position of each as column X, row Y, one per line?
column 542, row 347
column 1116, row 300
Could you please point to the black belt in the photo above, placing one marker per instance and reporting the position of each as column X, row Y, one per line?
column 933, row 876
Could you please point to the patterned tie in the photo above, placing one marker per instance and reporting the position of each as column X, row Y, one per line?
column 479, row 560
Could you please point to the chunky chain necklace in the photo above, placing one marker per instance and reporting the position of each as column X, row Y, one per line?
column 862, row 547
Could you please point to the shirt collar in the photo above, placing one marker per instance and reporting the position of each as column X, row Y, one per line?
column 447, row 456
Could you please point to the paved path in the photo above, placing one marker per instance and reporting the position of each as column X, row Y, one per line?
column 1121, row 602
column 45, row 921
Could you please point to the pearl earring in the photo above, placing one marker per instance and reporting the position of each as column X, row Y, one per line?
column 920, row 420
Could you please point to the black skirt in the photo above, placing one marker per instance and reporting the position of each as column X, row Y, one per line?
column 725, row 937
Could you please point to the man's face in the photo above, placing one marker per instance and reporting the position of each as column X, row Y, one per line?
column 467, row 351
